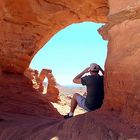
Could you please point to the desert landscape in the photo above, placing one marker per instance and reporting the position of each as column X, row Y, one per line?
column 106, row 117
column 66, row 93
column 26, row 113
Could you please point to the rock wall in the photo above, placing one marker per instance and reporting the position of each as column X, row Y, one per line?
column 33, row 128
column 18, row 97
column 31, row 74
column 122, row 76
column 52, row 91
column 27, row 25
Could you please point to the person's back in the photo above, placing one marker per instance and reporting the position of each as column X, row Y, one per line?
column 95, row 91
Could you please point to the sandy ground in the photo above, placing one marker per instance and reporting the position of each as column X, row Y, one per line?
column 64, row 106
column 108, row 118
column 33, row 120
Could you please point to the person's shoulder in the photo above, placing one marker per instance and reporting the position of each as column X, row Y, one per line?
column 86, row 77
column 89, row 76
column 101, row 76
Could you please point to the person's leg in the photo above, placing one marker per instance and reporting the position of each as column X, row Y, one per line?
column 72, row 106
column 74, row 102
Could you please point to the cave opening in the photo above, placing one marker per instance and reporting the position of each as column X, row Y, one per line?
column 68, row 52
column 26, row 25
column 71, row 50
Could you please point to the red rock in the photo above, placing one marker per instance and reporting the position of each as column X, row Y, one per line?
column 31, row 74
column 121, row 5
column 18, row 97
column 27, row 25
column 52, row 91
column 122, row 69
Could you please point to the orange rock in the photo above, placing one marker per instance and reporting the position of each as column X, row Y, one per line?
column 27, row 25
column 0, row 71
column 52, row 91
column 122, row 76
column 22, row 98
column 31, row 74
column 122, row 66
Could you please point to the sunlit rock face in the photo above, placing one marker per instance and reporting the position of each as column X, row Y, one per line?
column 18, row 97
column 28, row 24
column 121, row 5
column 52, row 92
column 122, row 78
column 31, row 74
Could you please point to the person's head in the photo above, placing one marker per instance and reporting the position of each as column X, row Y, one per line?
column 94, row 68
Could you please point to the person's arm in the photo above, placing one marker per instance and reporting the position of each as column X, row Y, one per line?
column 85, row 94
column 101, row 70
column 77, row 79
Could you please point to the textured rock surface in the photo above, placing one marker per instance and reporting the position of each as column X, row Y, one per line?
column 18, row 97
column 122, row 82
column 121, row 5
column 123, row 69
column 26, row 114
column 52, row 91
column 37, row 79
column 44, row 128
column 31, row 74
column 27, row 25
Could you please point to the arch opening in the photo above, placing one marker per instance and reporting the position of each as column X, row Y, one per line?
column 71, row 50
column 67, row 53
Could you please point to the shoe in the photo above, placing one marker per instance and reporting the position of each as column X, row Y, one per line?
column 67, row 116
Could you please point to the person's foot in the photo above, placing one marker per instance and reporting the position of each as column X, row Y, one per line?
column 67, row 116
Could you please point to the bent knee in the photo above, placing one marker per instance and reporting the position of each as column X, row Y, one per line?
column 75, row 95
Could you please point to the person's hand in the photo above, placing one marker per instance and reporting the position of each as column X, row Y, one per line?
column 99, row 67
column 86, row 70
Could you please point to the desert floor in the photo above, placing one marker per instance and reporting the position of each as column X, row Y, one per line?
column 65, row 95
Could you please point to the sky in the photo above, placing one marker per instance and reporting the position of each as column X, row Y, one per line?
column 71, row 50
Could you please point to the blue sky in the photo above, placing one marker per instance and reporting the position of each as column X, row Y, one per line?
column 71, row 50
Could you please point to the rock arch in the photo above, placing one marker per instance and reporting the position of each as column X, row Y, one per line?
column 52, row 92
column 27, row 25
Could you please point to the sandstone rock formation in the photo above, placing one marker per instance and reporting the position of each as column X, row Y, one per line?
column 18, row 97
column 52, row 91
column 31, row 74
column 26, row 25
column 43, row 74
column 37, row 79
column 122, row 76
column 34, row 128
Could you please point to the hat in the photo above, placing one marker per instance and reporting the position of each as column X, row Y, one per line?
column 94, row 67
